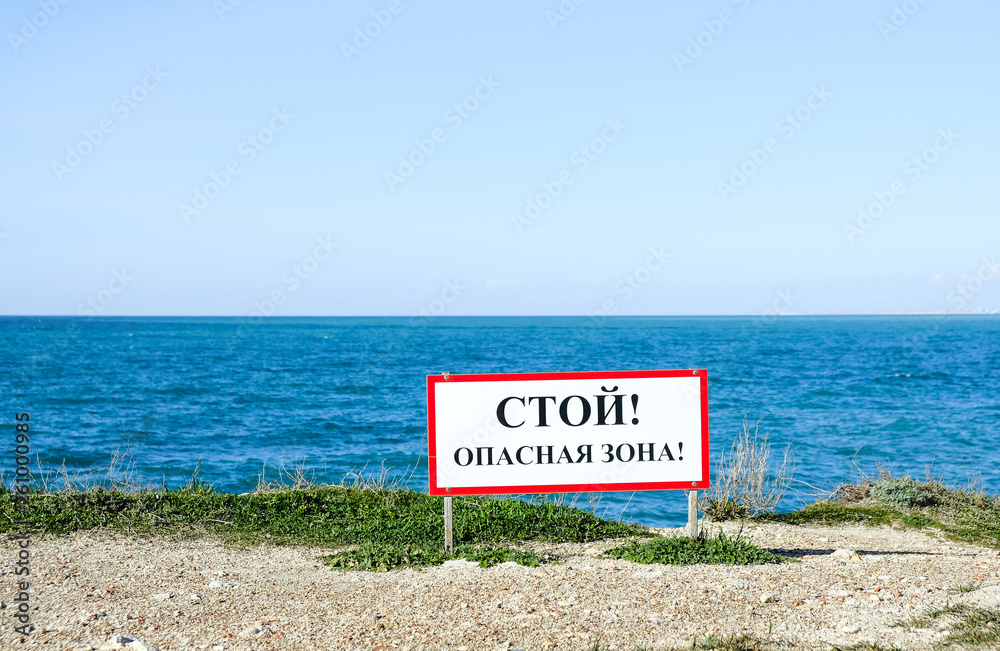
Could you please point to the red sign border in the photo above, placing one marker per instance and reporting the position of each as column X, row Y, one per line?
column 435, row 489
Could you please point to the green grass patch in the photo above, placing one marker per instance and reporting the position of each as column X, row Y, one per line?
column 733, row 642
column 832, row 513
column 744, row 642
column 917, row 521
column 965, row 515
column 388, row 527
column 724, row 508
column 326, row 515
column 971, row 627
column 685, row 551
column 391, row 557
column 740, row 642
column 904, row 493
column 965, row 587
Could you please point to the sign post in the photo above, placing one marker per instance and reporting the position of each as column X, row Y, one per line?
column 693, row 514
column 449, row 528
column 501, row 434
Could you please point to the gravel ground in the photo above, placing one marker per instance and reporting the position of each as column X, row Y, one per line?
column 89, row 590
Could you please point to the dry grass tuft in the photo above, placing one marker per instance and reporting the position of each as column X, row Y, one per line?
column 381, row 479
column 744, row 482
column 299, row 477
column 119, row 474
column 860, row 487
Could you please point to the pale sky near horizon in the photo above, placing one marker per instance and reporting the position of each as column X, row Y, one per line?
column 209, row 157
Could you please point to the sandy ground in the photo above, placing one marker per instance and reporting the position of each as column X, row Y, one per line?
column 88, row 590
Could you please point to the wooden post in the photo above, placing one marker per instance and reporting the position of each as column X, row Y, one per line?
column 449, row 544
column 692, row 514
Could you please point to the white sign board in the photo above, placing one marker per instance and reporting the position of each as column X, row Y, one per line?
column 567, row 432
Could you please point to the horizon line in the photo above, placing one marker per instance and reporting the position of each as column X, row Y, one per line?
column 499, row 316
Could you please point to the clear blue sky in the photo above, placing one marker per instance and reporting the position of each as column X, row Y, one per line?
column 839, row 97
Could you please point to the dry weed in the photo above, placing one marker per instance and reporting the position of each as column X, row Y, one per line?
column 744, row 483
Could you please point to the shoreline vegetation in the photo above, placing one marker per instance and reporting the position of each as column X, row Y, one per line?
column 368, row 514
column 375, row 524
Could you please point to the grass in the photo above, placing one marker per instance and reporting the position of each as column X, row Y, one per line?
column 383, row 557
column 966, row 514
column 734, row 642
column 383, row 528
column 744, row 642
column 965, row 587
column 378, row 525
column 746, row 481
column 322, row 515
column 685, row 551
column 748, row 485
column 833, row 513
column 970, row 627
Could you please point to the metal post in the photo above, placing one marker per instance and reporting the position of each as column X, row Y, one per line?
column 449, row 544
column 449, row 529
column 692, row 514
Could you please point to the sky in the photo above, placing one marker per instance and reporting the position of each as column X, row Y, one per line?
column 394, row 157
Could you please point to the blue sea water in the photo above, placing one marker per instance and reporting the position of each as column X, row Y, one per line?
column 337, row 394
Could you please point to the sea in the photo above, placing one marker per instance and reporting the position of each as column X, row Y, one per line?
column 233, row 401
